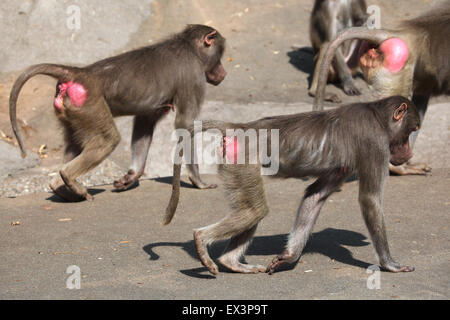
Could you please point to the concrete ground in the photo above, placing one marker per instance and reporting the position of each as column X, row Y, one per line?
column 118, row 241
column 124, row 252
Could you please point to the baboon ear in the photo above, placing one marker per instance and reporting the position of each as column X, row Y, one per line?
column 400, row 112
column 209, row 38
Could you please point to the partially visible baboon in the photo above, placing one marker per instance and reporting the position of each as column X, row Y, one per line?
column 411, row 61
column 331, row 145
column 328, row 19
column 146, row 83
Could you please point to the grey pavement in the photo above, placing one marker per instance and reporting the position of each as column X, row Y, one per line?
column 124, row 252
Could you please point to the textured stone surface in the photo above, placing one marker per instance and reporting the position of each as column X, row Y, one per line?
column 45, row 30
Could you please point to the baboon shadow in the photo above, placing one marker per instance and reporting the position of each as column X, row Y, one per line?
column 329, row 242
column 168, row 180
column 57, row 199
column 303, row 60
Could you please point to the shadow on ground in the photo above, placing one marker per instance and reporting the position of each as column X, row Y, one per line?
column 168, row 180
column 93, row 192
column 57, row 199
column 329, row 242
column 303, row 60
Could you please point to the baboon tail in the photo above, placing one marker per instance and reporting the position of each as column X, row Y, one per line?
column 175, row 197
column 60, row 72
column 362, row 33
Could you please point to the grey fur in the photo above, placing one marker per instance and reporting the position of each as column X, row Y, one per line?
column 146, row 83
column 353, row 139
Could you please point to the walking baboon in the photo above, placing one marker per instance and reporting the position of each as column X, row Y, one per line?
column 331, row 145
column 146, row 83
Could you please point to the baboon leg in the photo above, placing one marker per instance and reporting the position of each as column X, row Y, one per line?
column 308, row 212
column 235, row 251
column 143, row 128
column 91, row 156
column 370, row 201
column 202, row 249
column 182, row 121
column 306, row 217
column 194, row 177
column 57, row 185
column 345, row 75
column 245, row 190
column 331, row 97
column 98, row 141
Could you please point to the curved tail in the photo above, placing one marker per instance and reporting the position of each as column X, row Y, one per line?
column 362, row 33
column 175, row 197
column 60, row 72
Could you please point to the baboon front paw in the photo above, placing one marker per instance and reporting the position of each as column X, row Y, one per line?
column 350, row 89
column 127, row 181
column 284, row 258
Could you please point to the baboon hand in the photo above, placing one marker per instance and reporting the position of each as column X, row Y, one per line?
column 127, row 181
column 285, row 258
